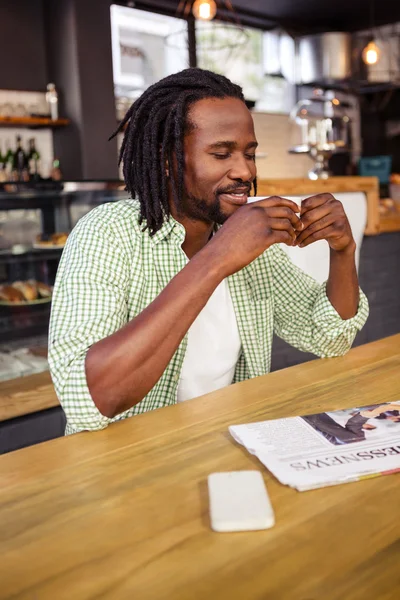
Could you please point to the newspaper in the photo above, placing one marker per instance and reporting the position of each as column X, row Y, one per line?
column 327, row 448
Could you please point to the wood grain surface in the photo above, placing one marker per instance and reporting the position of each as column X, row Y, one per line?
column 26, row 395
column 389, row 220
column 123, row 513
column 292, row 187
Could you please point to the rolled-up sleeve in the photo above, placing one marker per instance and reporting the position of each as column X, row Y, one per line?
column 89, row 304
column 303, row 314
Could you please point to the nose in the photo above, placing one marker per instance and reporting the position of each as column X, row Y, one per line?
column 242, row 169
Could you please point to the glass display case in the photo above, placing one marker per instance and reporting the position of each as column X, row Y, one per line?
column 34, row 225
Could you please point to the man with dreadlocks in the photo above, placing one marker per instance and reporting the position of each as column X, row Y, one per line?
column 177, row 291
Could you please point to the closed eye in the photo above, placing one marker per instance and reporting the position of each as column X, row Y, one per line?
column 224, row 156
column 221, row 156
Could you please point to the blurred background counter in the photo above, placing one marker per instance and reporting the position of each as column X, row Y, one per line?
column 35, row 221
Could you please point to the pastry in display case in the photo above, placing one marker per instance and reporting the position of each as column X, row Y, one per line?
column 24, row 293
column 52, row 240
column 34, row 228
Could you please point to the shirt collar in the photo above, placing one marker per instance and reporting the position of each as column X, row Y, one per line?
column 173, row 230
column 170, row 230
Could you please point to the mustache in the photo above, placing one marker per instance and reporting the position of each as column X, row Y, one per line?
column 239, row 186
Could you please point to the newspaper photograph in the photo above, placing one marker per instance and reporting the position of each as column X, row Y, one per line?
column 328, row 448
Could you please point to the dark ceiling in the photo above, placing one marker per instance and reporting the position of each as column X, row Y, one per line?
column 302, row 16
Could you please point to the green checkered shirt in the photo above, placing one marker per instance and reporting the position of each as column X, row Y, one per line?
column 111, row 270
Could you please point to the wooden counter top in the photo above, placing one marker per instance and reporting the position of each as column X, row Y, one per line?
column 376, row 223
column 123, row 513
column 26, row 395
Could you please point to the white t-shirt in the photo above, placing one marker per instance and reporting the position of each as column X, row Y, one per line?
column 213, row 347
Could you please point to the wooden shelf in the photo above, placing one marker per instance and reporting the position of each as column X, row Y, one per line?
column 389, row 223
column 32, row 122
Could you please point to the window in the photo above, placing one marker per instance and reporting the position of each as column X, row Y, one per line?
column 146, row 47
column 233, row 51
column 239, row 53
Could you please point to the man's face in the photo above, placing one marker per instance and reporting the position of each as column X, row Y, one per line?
column 219, row 159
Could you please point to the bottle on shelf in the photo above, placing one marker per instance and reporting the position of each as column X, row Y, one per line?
column 52, row 101
column 20, row 163
column 3, row 175
column 9, row 156
column 33, row 160
column 56, row 174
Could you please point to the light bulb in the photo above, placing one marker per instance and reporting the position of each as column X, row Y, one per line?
column 370, row 54
column 204, row 9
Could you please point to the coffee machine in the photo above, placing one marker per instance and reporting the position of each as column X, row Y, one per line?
column 324, row 129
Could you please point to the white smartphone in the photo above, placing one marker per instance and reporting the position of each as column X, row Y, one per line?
column 239, row 501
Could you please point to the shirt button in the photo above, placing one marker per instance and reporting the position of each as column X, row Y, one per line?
column 176, row 377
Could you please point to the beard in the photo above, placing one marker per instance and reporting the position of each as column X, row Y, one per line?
column 198, row 209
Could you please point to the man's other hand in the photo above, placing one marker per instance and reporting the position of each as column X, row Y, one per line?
column 324, row 218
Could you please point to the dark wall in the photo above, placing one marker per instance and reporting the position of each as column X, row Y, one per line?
column 62, row 52
column 80, row 63
column 376, row 110
column 22, row 45
column 97, row 88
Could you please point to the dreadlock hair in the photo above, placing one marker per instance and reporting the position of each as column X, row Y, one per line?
column 155, row 127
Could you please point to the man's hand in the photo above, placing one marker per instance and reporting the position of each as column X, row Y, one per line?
column 324, row 218
column 251, row 230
